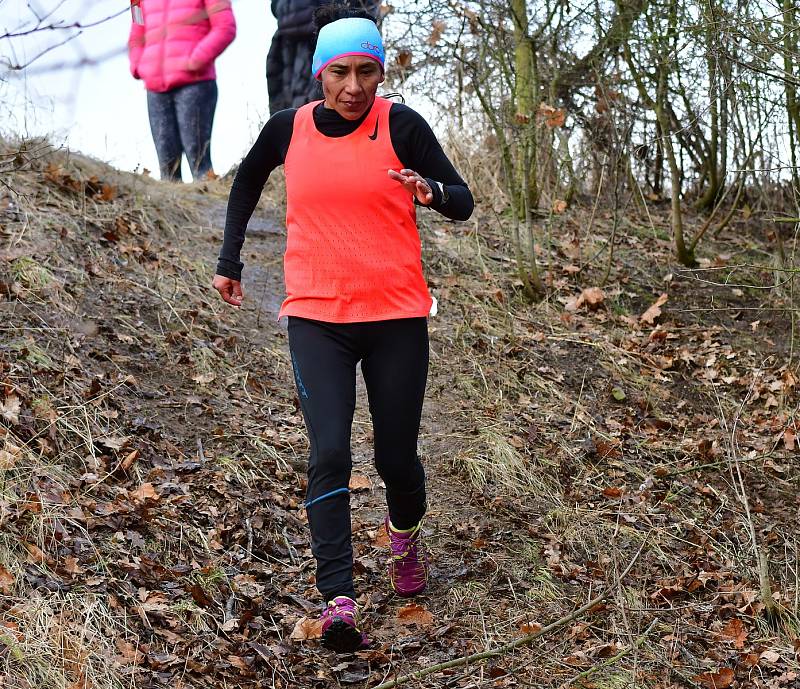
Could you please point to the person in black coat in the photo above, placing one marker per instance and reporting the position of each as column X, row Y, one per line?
column 290, row 83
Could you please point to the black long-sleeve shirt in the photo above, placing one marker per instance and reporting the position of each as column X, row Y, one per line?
column 414, row 142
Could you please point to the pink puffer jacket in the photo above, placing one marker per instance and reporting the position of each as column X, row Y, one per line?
column 179, row 41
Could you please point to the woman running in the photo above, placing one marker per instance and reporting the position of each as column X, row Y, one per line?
column 172, row 48
column 355, row 167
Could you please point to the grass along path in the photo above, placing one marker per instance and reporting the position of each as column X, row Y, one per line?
column 152, row 461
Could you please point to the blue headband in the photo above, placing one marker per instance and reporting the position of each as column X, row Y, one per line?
column 350, row 36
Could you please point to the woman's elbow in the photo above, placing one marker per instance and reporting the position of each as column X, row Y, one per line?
column 229, row 28
column 469, row 206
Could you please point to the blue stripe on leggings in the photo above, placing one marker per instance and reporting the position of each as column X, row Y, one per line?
column 338, row 491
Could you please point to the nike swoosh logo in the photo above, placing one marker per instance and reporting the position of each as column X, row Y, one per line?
column 374, row 134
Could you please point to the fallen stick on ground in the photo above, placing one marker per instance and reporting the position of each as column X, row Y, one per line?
column 522, row 641
column 613, row 659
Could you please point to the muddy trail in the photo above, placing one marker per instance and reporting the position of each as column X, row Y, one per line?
column 152, row 458
column 165, row 457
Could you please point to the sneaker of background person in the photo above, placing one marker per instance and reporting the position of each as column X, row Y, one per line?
column 340, row 626
column 408, row 564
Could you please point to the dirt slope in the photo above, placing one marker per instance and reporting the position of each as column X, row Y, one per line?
column 153, row 455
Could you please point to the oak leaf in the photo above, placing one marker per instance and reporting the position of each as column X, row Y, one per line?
column 716, row 680
column 437, row 29
column 145, row 492
column 735, row 631
column 654, row 310
column 552, row 117
column 360, row 482
column 307, row 628
column 415, row 615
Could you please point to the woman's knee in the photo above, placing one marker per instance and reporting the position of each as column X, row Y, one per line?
column 332, row 460
column 400, row 470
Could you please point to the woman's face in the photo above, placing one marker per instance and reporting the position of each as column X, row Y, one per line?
column 349, row 85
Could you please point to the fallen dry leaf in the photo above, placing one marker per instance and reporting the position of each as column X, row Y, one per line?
column 735, row 631
column 239, row 662
column 72, row 567
column 114, row 442
column 381, row 539
column 530, row 628
column 6, row 581
column 654, row 310
column 770, row 656
column 9, row 456
column 128, row 653
column 127, row 463
column 414, row 614
column 9, row 409
column 36, row 553
column 360, row 482
column 789, row 440
column 591, row 297
column 716, row 680
column 307, row 628
column 145, row 492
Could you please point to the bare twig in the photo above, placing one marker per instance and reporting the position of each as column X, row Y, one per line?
column 613, row 659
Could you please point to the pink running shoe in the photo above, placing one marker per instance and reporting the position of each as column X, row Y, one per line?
column 340, row 631
column 408, row 564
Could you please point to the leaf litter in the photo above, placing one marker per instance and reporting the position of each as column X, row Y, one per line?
column 153, row 472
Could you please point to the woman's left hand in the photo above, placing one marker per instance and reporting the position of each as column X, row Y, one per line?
column 415, row 184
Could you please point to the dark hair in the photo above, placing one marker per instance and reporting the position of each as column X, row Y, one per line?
column 355, row 9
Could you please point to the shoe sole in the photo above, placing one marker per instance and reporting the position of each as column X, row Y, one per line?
column 342, row 637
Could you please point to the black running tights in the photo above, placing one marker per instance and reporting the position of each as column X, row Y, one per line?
column 394, row 363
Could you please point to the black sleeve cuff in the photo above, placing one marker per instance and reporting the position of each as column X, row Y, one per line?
column 438, row 201
column 436, row 204
column 230, row 269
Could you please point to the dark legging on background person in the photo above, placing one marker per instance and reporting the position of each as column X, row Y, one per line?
column 290, row 81
column 181, row 121
column 172, row 48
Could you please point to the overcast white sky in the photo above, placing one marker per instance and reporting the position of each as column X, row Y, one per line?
column 99, row 109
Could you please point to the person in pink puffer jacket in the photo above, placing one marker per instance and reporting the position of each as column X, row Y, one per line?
column 172, row 48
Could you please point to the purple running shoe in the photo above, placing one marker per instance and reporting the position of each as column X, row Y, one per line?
column 408, row 564
column 340, row 631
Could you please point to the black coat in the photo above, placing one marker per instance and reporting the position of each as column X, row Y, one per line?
column 289, row 80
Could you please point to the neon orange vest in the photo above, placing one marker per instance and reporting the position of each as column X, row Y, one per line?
column 352, row 249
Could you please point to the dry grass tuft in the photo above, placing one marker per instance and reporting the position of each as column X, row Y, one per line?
column 66, row 641
column 492, row 461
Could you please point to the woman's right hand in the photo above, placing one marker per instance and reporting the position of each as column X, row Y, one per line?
column 230, row 290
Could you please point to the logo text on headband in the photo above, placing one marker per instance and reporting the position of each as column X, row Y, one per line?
column 368, row 46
